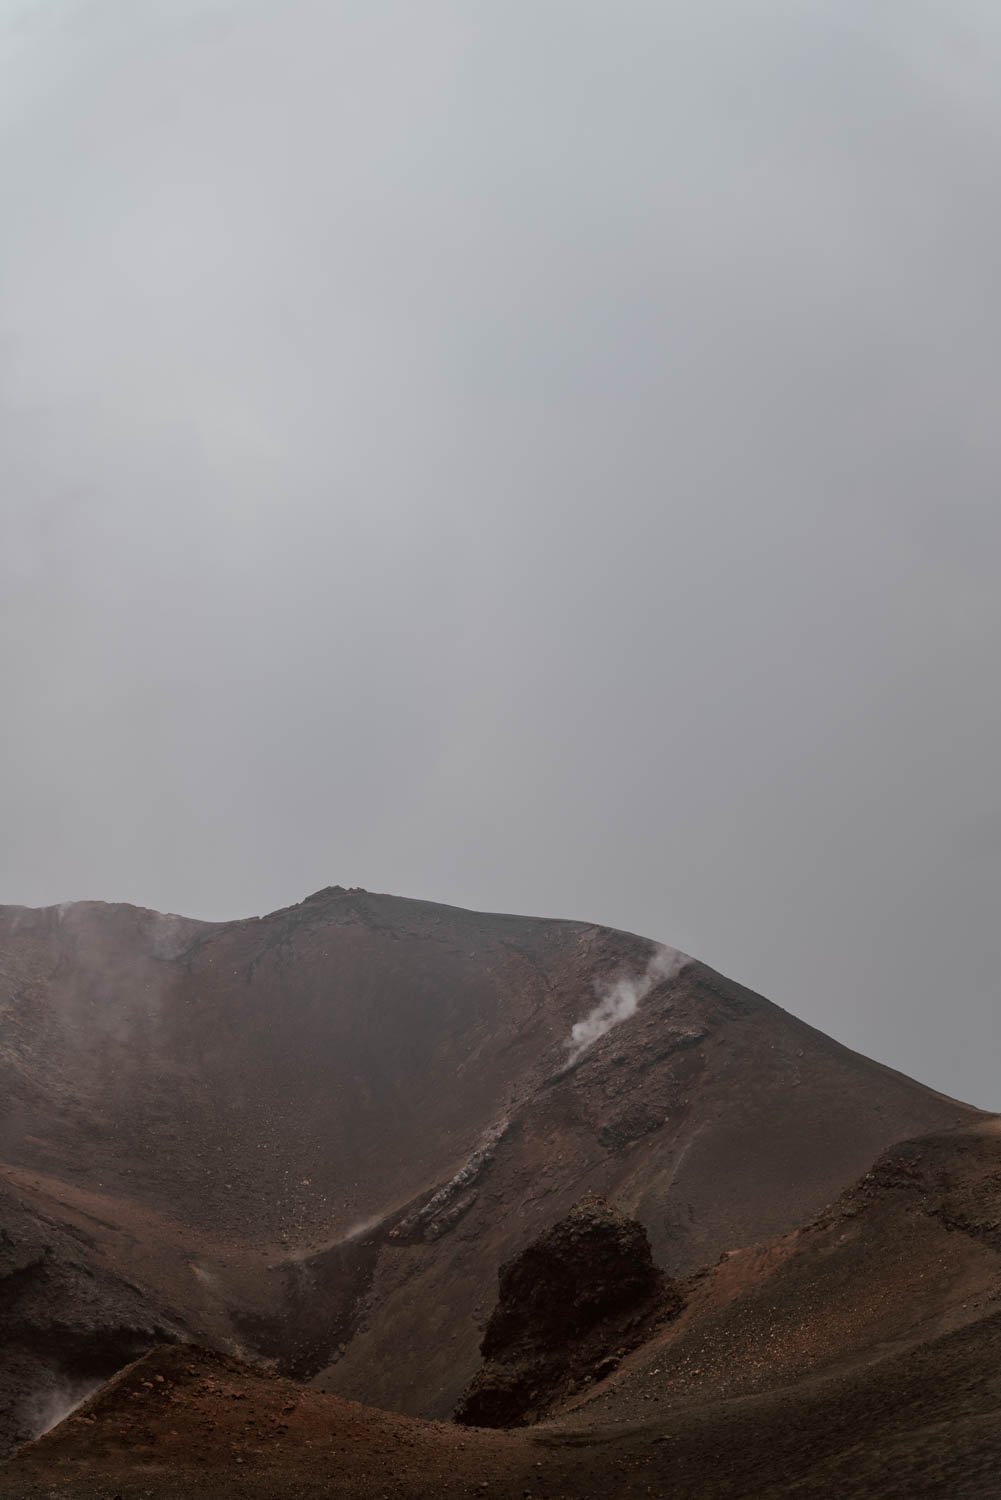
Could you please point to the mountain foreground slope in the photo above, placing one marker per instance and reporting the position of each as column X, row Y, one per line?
column 312, row 1138
column 859, row 1356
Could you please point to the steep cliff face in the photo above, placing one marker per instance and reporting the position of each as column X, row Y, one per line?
column 317, row 1134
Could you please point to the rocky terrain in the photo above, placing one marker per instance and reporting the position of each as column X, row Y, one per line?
column 310, row 1141
column 858, row 1356
column 570, row 1306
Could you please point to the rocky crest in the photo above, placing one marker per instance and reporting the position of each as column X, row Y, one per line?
column 570, row 1305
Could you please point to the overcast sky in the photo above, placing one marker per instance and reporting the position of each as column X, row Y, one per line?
column 540, row 455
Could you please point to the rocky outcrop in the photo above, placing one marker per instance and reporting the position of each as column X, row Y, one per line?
column 570, row 1306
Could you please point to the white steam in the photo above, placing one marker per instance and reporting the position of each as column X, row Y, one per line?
column 362, row 1226
column 621, row 998
column 46, row 1409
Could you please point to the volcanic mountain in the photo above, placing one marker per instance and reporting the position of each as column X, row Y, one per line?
column 313, row 1138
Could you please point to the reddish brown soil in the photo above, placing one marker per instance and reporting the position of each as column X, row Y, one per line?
column 188, row 1422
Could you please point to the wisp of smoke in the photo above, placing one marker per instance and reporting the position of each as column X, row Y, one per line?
column 46, row 1409
column 621, row 998
column 361, row 1227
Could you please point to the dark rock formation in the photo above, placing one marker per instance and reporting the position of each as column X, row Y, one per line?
column 569, row 1307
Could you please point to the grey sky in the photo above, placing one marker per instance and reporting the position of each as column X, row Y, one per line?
column 541, row 455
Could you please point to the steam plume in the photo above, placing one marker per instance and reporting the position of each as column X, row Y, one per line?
column 621, row 998
column 46, row 1409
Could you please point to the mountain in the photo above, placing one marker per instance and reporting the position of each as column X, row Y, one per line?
column 314, row 1137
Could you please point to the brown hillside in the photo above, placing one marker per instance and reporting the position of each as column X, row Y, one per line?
column 316, row 1135
column 859, row 1356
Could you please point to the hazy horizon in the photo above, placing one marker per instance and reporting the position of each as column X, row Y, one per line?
column 541, row 458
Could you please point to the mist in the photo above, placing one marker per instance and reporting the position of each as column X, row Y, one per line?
column 45, row 1409
column 535, row 457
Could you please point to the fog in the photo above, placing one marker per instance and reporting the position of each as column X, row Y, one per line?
column 537, row 456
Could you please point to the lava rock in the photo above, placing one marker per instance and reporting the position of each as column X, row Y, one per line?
column 570, row 1304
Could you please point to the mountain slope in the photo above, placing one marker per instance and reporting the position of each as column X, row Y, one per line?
column 859, row 1355
column 316, row 1135
column 908, row 1255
